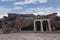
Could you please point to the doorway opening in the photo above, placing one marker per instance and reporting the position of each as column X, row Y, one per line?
column 38, row 28
column 45, row 26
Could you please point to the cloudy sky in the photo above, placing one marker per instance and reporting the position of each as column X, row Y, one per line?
column 42, row 7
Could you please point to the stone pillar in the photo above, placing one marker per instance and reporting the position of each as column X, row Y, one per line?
column 41, row 26
column 20, row 29
column 34, row 27
column 49, row 26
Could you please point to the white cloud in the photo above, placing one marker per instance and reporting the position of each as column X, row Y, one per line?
column 8, row 0
column 30, row 1
column 25, row 2
column 17, row 7
column 43, row 1
column 4, row 11
column 40, row 11
column 58, row 11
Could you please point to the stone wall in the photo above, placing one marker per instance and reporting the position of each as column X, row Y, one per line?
column 14, row 22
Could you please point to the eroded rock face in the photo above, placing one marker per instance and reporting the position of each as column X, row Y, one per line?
column 14, row 22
